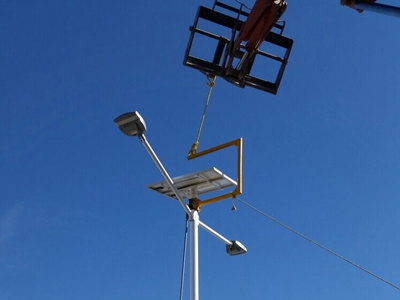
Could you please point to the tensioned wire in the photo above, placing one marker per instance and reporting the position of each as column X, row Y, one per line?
column 210, row 84
column 317, row 244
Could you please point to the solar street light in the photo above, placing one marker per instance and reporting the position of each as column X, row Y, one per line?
column 186, row 186
column 235, row 248
column 131, row 123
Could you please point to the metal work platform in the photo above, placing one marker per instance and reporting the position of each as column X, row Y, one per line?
column 219, row 65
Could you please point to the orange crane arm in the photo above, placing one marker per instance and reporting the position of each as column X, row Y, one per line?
column 263, row 16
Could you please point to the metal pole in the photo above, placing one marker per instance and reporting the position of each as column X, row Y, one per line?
column 194, row 224
column 379, row 8
column 194, row 255
column 214, row 233
column 168, row 179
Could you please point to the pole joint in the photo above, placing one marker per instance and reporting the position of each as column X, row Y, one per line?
column 194, row 203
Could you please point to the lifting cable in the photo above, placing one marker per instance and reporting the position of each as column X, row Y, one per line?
column 211, row 82
column 315, row 243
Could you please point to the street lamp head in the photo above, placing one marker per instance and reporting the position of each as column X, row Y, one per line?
column 235, row 248
column 131, row 123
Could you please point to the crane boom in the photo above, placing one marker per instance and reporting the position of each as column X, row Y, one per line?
column 371, row 5
column 263, row 16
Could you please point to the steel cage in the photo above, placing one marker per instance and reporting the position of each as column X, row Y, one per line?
column 217, row 66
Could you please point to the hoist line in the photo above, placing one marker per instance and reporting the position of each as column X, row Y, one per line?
column 317, row 244
column 210, row 84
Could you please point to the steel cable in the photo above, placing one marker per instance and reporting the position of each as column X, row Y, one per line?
column 210, row 84
column 317, row 244
column 184, row 258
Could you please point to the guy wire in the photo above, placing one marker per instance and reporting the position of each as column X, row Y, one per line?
column 318, row 244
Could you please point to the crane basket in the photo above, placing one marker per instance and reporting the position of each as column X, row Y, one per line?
column 228, row 48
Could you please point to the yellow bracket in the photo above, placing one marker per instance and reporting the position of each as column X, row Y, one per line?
column 238, row 190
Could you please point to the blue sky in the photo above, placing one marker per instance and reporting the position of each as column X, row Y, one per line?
column 76, row 221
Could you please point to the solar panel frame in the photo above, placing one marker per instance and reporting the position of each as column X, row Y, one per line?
column 194, row 184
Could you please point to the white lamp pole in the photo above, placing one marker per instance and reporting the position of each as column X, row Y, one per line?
column 194, row 223
column 194, row 255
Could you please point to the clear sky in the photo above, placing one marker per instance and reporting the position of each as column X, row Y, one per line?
column 76, row 219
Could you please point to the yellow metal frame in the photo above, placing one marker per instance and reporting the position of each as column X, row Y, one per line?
column 238, row 190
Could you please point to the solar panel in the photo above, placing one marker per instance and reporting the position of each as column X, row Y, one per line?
column 194, row 184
